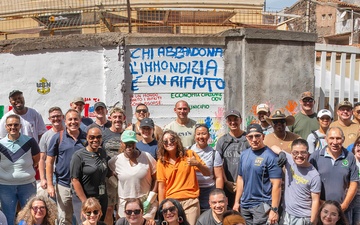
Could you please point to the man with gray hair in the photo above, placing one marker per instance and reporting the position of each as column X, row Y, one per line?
column 340, row 186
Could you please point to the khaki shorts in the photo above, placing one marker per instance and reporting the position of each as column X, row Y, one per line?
column 112, row 191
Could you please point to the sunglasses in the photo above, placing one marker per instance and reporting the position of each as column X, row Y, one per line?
column 169, row 141
column 141, row 110
column 256, row 136
column 171, row 209
column 130, row 212
column 308, row 100
column 278, row 121
column 95, row 212
column 13, row 125
column 93, row 137
column 36, row 208
column 296, row 153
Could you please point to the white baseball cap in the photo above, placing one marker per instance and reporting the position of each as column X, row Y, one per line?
column 324, row 112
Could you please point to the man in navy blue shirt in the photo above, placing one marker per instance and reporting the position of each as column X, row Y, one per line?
column 259, row 181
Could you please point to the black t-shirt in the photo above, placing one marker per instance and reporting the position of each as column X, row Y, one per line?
column 90, row 168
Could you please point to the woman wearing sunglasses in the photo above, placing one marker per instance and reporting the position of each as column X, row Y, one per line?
column 39, row 210
column 176, row 174
column 136, row 173
column 91, row 211
column 134, row 214
column 171, row 213
column 88, row 170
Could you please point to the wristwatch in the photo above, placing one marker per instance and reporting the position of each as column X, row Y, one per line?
column 275, row 209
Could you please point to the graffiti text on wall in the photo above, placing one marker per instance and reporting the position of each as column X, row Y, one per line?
column 189, row 68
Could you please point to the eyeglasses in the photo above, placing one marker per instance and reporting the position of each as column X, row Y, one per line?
column 331, row 214
column 36, row 208
column 308, row 100
column 141, row 110
column 169, row 141
column 171, row 209
column 93, row 137
column 278, row 121
column 357, row 111
column 256, row 136
column 95, row 212
column 130, row 212
column 13, row 125
column 348, row 109
column 55, row 116
column 296, row 153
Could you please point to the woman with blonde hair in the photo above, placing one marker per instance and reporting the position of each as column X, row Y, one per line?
column 91, row 211
column 39, row 210
column 176, row 174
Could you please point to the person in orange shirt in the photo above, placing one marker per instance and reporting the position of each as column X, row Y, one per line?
column 176, row 174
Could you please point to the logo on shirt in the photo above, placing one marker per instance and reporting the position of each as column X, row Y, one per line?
column 258, row 161
column 299, row 179
column 345, row 162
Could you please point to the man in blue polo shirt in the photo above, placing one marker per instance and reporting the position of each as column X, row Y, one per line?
column 337, row 169
column 62, row 147
column 259, row 181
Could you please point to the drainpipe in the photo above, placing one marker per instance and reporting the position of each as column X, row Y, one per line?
column 307, row 16
column 352, row 28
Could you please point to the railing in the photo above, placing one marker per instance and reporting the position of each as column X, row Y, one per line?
column 29, row 18
column 337, row 71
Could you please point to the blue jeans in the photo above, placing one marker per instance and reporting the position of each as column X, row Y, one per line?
column 11, row 194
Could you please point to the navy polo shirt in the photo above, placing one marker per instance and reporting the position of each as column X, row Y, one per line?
column 335, row 175
column 63, row 152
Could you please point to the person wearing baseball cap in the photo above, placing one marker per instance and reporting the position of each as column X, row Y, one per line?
column 259, row 194
column 101, row 112
column 136, row 173
column 230, row 147
column 148, row 143
column 316, row 138
column 78, row 104
column 306, row 119
column 262, row 112
column 32, row 123
column 344, row 112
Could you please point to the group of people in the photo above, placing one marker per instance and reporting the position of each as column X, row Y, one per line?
column 92, row 169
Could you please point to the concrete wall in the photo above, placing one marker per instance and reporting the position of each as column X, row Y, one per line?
column 235, row 69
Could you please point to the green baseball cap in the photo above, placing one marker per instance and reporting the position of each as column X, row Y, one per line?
column 128, row 136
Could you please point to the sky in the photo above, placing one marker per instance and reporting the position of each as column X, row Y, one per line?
column 277, row 5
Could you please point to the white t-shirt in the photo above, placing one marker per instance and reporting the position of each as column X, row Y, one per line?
column 32, row 124
column 133, row 181
column 207, row 156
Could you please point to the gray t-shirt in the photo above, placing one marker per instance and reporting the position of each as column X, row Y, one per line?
column 111, row 142
column 45, row 140
column 300, row 182
column 320, row 144
column 207, row 156
column 207, row 218
column 230, row 149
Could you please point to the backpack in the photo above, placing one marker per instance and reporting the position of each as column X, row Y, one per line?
column 317, row 138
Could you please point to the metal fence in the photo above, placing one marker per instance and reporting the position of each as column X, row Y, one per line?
column 34, row 18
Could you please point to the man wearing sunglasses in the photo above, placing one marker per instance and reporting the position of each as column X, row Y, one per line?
column 280, row 136
column 141, row 112
column 259, row 181
column 350, row 129
column 306, row 119
column 302, row 185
